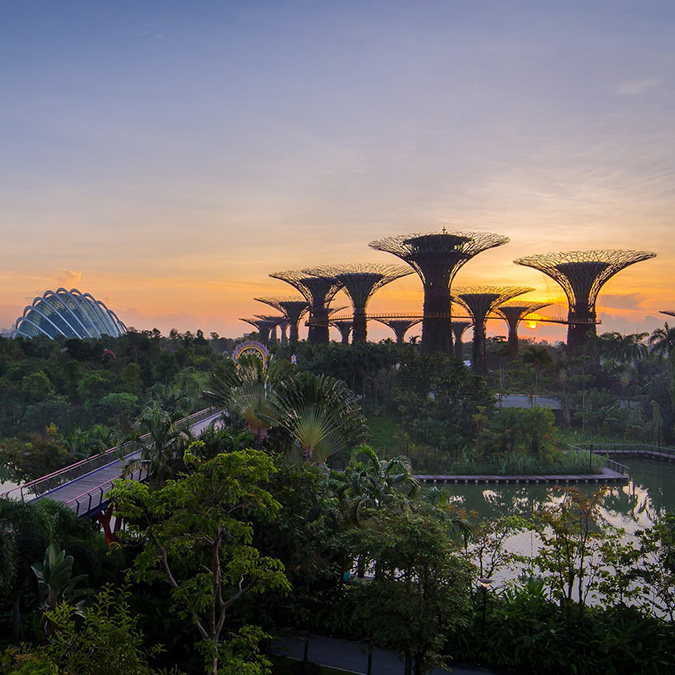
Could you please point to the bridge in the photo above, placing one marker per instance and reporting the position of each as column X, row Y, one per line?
column 83, row 486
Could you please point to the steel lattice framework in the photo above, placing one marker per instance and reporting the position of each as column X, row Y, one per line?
column 669, row 312
column 400, row 327
column 479, row 301
column 513, row 313
column 458, row 329
column 292, row 309
column 318, row 291
column 437, row 257
column 263, row 326
column 360, row 282
column 345, row 328
column 581, row 275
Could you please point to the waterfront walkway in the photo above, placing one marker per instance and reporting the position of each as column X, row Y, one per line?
column 604, row 477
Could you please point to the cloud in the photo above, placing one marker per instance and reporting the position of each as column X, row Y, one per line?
column 68, row 277
column 625, row 301
column 636, row 87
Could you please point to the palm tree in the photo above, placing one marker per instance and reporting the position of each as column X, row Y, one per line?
column 161, row 442
column 247, row 390
column 370, row 482
column 662, row 343
column 321, row 415
column 538, row 357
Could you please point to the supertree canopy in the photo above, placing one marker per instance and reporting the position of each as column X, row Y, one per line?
column 360, row 282
column 513, row 313
column 399, row 326
column 458, row 329
column 263, row 327
column 479, row 301
column 345, row 328
column 669, row 312
column 437, row 257
column 582, row 274
column 318, row 291
column 292, row 309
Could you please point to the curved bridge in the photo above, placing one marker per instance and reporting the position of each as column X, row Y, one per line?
column 83, row 486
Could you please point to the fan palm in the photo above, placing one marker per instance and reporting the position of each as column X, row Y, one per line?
column 321, row 416
column 247, row 390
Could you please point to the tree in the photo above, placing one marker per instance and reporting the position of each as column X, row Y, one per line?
column 199, row 538
column 161, row 443
column 420, row 590
column 539, row 358
column 662, row 343
column 107, row 640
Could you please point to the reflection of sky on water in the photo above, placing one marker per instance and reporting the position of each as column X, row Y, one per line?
column 634, row 506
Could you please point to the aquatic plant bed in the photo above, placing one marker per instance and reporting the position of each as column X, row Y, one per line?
column 606, row 476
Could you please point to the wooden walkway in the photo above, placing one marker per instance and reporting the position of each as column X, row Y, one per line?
column 606, row 477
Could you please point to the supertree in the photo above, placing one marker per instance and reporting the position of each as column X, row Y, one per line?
column 345, row 328
column 437, row 257
column 513, row 313
column 360, row 281
column 669, row 312
column 582, row 274
column 318, row 291
column 399, row 326
column 292, row 309
column 479, row 301
column 275, row 322
column 263, row 326
column 458, row 329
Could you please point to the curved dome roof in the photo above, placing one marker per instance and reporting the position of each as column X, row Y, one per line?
column 69, row 313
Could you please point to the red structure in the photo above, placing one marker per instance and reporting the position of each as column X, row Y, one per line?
column 479, row 302
column 318, row 291
column 360, row 283
column 581, row 274
column 513, row 313
column 437, row 257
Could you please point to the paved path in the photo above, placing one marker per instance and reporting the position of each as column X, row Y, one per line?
column 353, row 657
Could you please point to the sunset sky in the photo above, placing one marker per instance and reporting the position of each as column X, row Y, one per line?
column 167, row 155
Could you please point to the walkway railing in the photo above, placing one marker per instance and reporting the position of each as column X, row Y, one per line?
column 97, row 496
column 593, row 449
column 646, row 449
column 39, row 486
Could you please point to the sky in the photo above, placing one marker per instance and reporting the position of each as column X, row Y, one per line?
column 167, row 155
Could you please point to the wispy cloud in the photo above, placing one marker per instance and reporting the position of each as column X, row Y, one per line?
column 66, row 277
column 636, row 87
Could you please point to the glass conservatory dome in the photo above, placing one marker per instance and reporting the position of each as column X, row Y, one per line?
column 69, row 313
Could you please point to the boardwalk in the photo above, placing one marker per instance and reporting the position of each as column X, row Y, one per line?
column 86, row 493
column 606, row 476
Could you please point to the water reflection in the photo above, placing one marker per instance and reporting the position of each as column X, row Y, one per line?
column 636, row 505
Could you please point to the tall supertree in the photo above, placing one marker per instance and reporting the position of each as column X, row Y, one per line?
column 318, row 291
column 458, row 329
column 437, row 257
column 292, row 309
column 400, row 327
column 582, row 274
column 345, row 328
column 479, row 301
column 513, row 313
column 360, row 282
